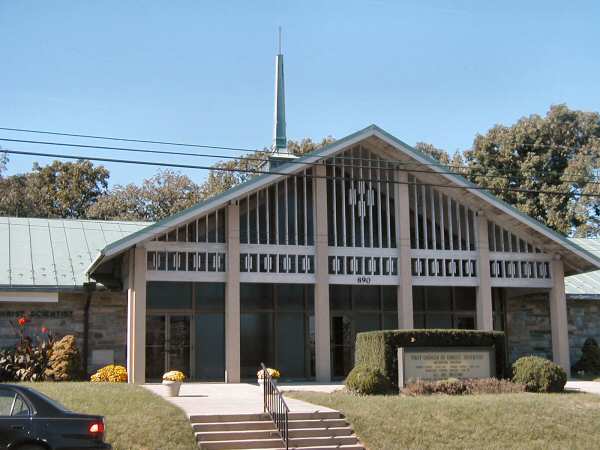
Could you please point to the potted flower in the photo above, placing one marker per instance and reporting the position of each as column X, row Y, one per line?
column 172, row 380
column 274, row 373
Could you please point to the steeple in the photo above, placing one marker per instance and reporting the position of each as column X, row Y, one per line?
column 279, row 137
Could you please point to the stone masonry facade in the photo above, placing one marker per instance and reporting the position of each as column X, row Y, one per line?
column 528, row 325
column 108, row 321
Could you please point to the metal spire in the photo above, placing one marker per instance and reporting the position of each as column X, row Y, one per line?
column 279, row 136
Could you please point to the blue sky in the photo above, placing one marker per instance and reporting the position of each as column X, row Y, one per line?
column 202, row 72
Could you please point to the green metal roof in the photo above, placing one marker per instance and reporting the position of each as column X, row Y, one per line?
column 585, row 285
column 53, row 254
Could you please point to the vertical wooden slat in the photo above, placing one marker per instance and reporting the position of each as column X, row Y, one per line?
column 468, row 231
column 433, row 224
column 286, row 206
column 268, row 215
column 334, row 182
column 361, row 195
column 295, row 209
column 344, row 243
column 354, row 198
column 416, row 211
column 380, row 243
column 459, row 226
column 442, row 227
column 387, row 209
column 450, row 230
column 276, row 224
column 305, row 210
column 424, row 209
column 370, row 194
column 257, row 218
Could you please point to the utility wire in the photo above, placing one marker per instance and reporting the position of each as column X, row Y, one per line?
column 255, row 159
column 240, row 149
column 261, row 172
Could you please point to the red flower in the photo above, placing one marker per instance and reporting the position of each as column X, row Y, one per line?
column 22, row 321
column 44, row 330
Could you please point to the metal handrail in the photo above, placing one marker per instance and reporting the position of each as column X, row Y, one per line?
column 274, row 404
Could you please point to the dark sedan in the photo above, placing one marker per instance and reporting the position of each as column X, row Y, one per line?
column 31, row 421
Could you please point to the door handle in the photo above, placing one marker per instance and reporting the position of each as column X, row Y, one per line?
column 17, row 427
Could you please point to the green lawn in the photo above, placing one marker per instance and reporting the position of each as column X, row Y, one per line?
column 135, row 418
column 506, row 421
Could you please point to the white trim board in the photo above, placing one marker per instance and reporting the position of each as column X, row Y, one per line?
column 28, row 297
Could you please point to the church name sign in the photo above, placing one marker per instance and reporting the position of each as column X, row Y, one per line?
column 440, row 363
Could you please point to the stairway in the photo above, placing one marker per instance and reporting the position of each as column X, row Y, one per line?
column 324, row 430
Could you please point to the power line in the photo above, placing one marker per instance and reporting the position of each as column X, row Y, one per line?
column 244, row 158
column 249, row 150
column 328, row 177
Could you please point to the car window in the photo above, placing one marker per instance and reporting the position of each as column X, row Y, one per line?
column 6, row 401
column 53, row 402
column 20, row 408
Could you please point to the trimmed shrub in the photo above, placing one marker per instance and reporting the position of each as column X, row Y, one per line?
column 26, row 362
column 363, row 380
column 589, row 363
column 453, row 386
column 65, row 362
column 539, row 374
column 110, row 374
column 379, row 349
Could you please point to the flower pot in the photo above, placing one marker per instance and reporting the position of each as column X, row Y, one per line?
column 172, row 387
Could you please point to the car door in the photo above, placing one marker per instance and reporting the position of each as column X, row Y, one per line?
column 15, row 417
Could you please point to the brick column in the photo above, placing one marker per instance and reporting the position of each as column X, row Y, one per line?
column 402, row 212
column 559, row 322
column 485, row 318
column 322, row 320
column 232, row 296
column 136, row 316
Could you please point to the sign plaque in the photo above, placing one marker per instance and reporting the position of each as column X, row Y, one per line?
column 440, row 363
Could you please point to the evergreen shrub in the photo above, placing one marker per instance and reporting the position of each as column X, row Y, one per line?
column 539, row 374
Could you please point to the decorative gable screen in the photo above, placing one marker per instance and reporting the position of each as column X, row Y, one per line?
column 197, row 247
column 442, row 235
column 516, row 262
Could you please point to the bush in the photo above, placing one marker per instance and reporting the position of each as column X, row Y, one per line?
column 363, row 380
column 110, row 374
column 539, row 374
column 379, row 349
column 589, row 363
column 65, row 362
column 453, row 386
column 26, row 362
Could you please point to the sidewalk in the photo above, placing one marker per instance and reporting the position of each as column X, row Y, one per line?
column 591, row 387
column 235, row 398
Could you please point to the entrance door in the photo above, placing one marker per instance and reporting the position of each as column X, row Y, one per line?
column 342, row 345
column 167, row 345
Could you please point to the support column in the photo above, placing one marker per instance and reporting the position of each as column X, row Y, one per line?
column 322, row 320
column 136, row 316
column 559, row 321
column 485, row 317
column 401, row 210
column 232, row 296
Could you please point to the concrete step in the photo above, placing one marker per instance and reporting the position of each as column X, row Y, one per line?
column 323, row 441
column 317, row 423
column 315, row 415
column 320, row 432
column 214, row 418
column 241, row 444
column 237, row 435
column 234, row 426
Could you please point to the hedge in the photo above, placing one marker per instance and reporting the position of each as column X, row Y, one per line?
column 379, row 349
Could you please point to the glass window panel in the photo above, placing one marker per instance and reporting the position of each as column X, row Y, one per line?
column 465, row 322
column 390, row 298
column 210, row 346
column 419, row 320
column 367, row 322
column 418, row 298
column 256, row 338
column 243, row 205
column 212, row 227
column 366, row 298
column 256, row 296
column 182, row 234
column 291, row 211
column 222, row 225
column 465, row 298
column 202, row 229
column 390, row 321
column 290, row 297
column 439, row 320
column 191, row 231
column 169, row 295
column 309, row 209
column 340, row 297
column 291, row 341
column 439, row 298
column 210, row 296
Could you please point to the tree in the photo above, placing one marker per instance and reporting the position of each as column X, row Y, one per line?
column 163, row 195
column 220, row 181
column 431, row 150
column 556, row 153
column 3, row 162
column 59, row 189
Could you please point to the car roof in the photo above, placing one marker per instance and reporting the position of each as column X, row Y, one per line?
column 36, row 399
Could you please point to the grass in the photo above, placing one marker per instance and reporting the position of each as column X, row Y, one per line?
column 136, row 419
column 515, row 421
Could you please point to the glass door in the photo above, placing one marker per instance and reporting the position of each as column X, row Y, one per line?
column 168, row 345
column 342, row 345
column 178, row 344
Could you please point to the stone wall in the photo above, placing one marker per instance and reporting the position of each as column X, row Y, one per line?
column 528, row 325
column 108, row 321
